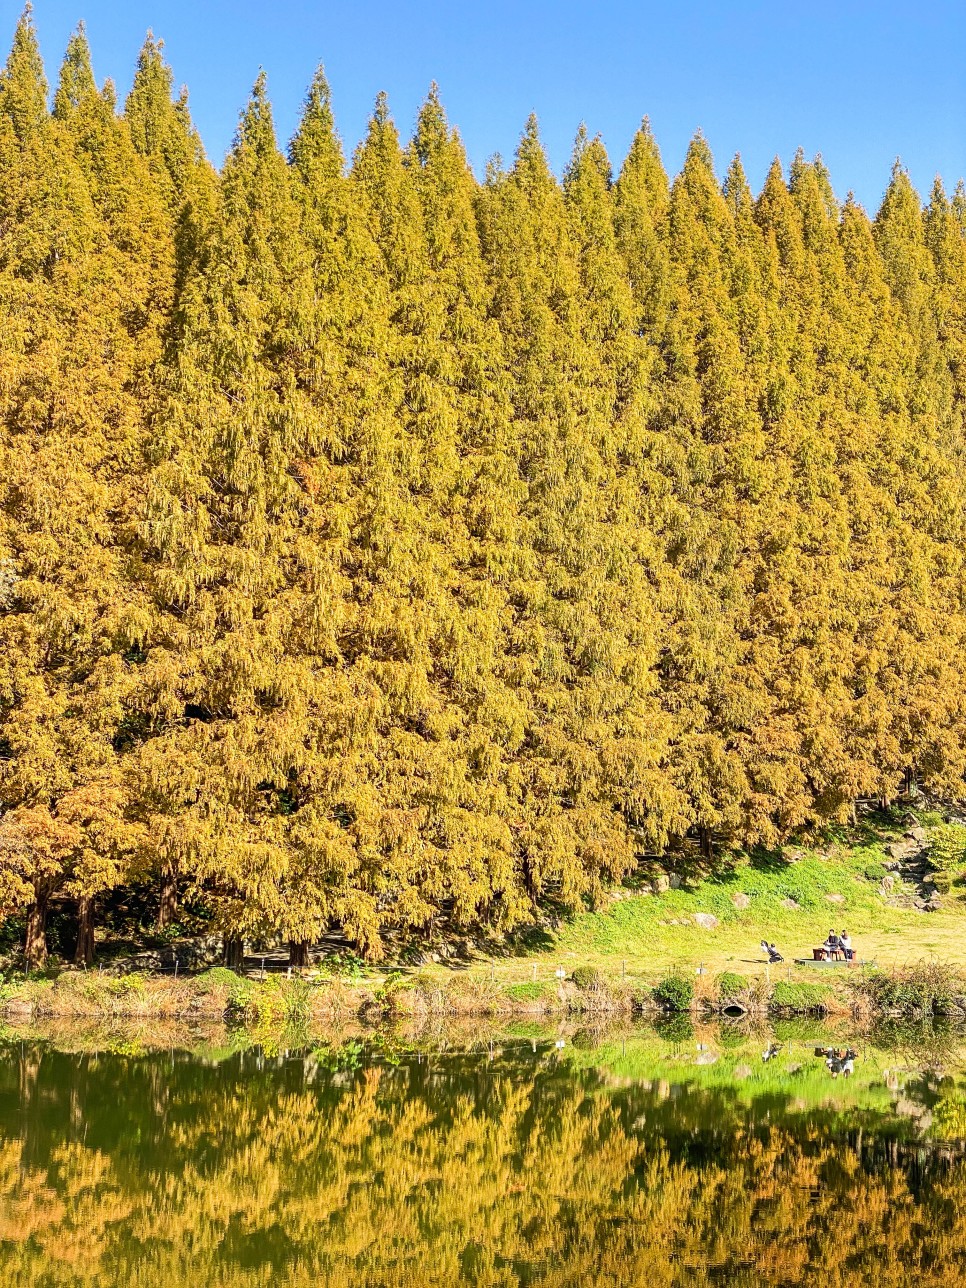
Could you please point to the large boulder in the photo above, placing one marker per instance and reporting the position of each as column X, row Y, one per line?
column 706, row 920
column 741, row 900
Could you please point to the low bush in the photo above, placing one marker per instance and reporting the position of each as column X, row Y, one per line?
column 730, row 985
column 588, row 978
column 525, row 992
column 947, row 847
column 799, row 998
column 873, row 872
column 927, row 987
column 675, row 992
column 217, row 977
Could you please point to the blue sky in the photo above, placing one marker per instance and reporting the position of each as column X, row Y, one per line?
column 859, row 82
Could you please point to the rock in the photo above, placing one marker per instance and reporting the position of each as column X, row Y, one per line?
column 674, row 881
column 887, row 883
column 933, row 904
column 892, row 865
column 917, row 834
column 705, row 920
column 661, row 884
column 835, row 898
column 901, row 849
column 707, row 1057
column 741, row 900
column 789, row 903
column 742, row 1071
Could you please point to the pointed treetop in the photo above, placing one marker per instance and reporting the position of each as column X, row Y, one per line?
column 76, row 76
column 589, row 156
column 643, row 170
column 23, row 85
column 531, row 161
column 256, row 128
column 432, row 130
column 380, row 113
column 316, row 150
column 699, row 154
column 938, row 201
column 736, row 189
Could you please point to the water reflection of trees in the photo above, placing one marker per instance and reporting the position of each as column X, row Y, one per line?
column 259, row 1171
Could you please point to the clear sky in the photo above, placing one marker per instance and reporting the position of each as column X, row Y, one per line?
column 859, row 82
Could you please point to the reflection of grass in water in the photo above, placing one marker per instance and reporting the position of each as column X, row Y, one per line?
column 795, row 1080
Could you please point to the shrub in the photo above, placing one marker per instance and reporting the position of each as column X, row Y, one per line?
column 873, row 872
column 588, row 978
column 131, row 985
column 948, row 846
column 730, row 985
column 675, row 992
column 799, row 997
column 525, row 992
column 217, row 977
column 928, row 987
column 943, row 882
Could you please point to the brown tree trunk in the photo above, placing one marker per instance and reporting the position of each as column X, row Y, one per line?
column 234, row 952
column 298, row 954
column 168, row 907
column 704, row 837
column 35, row 938
column 84, row 952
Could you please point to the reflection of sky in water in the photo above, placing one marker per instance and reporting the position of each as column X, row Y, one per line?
column 689, row 1155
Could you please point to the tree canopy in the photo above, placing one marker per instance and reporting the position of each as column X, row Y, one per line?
column 379, row 545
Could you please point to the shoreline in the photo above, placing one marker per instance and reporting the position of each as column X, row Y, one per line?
column 219, row 995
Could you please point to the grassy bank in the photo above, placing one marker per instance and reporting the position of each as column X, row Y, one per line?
column 705, row 931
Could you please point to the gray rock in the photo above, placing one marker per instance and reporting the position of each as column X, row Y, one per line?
column 661, row 884
column 705, row 920
column 741, row 900
column 675, row 881
column 835, row 898
column 742, row 1071
column 789, row 903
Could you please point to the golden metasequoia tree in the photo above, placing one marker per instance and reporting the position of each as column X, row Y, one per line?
column 383, row 548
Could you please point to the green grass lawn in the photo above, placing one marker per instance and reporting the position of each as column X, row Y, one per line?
column 793, row 899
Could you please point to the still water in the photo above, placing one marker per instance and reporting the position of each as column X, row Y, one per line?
column 690, row 1156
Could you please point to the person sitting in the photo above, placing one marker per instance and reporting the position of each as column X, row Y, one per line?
column 846, row 945
column 832, row 948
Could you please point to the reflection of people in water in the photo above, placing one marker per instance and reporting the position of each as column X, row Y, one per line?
column 839, row 1060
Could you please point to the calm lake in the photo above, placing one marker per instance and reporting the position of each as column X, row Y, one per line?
column 677, row 1155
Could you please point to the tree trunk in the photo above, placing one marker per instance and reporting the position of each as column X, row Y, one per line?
column 84, row 952
column 234, row 953
column 168, row 907
column 704, row 838
column 35, row 939
column 298, row 954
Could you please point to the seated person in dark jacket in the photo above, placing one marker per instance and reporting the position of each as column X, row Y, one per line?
column 832, row 946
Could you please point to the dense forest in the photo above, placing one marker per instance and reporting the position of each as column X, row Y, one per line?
column 381, row 547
